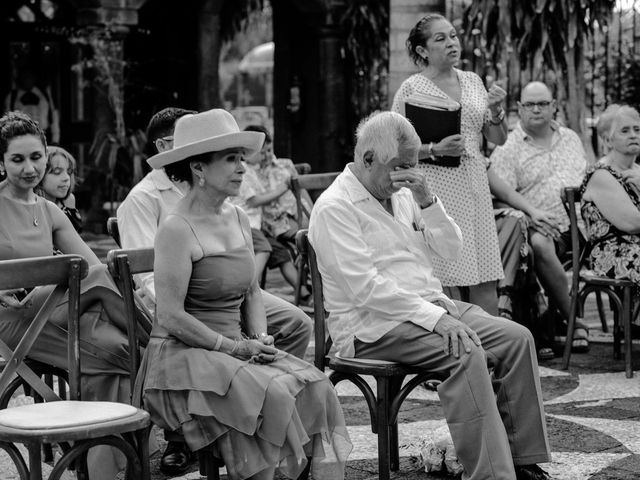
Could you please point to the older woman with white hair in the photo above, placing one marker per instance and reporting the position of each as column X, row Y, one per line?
column 611, row 197
column 211, row 371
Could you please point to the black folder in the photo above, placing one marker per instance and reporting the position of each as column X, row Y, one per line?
column 433, row 125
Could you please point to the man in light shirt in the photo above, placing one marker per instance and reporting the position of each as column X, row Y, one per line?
column 375, row 231
column 539, row 159
column 139, row 216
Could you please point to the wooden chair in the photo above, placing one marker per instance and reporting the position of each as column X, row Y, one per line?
column 123, row 264
column 84, row 424
column 584, row 282
column 112, row 229
column 385, row 404
column 314, row 184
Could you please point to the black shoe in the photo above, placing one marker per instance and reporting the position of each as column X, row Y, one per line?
column 531, row 472
column 176, row 459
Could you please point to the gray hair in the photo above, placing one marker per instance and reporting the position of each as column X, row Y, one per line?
column 608, row 118
column 384, row 133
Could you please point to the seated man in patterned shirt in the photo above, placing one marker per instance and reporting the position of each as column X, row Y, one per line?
column 539, row 158
column 376, row 231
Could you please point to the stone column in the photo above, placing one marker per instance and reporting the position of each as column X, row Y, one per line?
column 208, row 57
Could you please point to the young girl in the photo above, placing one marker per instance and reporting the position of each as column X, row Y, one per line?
column 58, row 182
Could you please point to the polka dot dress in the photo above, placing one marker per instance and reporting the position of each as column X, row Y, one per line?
column 464, row 191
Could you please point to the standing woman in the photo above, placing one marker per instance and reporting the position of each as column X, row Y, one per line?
column 433, row 44
column 31, row 226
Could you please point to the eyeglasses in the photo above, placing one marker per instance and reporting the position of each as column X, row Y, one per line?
column 168, row 138
column 532, row 105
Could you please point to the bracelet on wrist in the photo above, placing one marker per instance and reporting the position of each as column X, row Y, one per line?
column 236, row 345
column 433, row 200
column 430, row 153
column 498, row 119
column 259, row 336
column 216, row 347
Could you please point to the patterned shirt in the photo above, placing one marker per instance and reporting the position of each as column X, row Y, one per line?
column 377, row 268
column 464, row 190
column 539, row 173
column 277, row 214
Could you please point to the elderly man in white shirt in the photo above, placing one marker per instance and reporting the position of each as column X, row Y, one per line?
column 375, row 232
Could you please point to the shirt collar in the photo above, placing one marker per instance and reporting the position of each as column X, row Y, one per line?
column 355, row 189
column 161, row 180
column 522, row 135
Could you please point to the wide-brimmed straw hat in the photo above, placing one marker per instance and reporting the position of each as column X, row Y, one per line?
column 211, row 131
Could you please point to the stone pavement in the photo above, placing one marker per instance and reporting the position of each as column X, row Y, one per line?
column 592, row 410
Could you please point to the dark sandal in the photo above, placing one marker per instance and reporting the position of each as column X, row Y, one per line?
column 580, row 342
column 545, row 353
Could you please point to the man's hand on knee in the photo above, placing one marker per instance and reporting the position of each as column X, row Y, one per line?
column 453, row 332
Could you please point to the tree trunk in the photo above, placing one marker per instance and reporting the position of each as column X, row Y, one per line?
column 209, row 45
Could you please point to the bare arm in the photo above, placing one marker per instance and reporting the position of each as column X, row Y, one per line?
column 66, row 239
column 613, row 202
column 265, row 198
column 545, row 223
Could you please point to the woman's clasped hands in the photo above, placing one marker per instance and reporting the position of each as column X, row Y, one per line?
column 15, row 298
column 259, row 350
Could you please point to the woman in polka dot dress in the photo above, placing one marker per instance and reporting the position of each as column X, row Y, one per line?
column 433, row 44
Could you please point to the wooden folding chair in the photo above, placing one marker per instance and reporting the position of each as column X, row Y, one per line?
column 123, row 264
column 385, row 404
column 314, row 184
column 113, row 230
column 85, row 424
column 584, row 282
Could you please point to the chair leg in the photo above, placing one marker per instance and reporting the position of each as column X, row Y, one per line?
column 383, row 405
column 601, row 312
column 35, row 465
column 299, row 280
column 571, row 325
column 395, row 384
column 627, row 312
column 617, row 334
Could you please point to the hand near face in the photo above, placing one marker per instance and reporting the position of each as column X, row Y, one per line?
column 496, row 94
column 415, row 180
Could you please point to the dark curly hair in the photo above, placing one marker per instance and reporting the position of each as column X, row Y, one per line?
column 17, row 124
column 162, row 124
column 181, row 171
column 419, row 35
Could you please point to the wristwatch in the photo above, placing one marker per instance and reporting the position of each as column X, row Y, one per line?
column 497, row 120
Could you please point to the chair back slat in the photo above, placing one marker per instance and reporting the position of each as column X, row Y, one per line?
column 65, row 272
column 114, row 231
column 322, row 343
column 37, row 271
column 123, row 264
column 312, row 183
column 570, row 197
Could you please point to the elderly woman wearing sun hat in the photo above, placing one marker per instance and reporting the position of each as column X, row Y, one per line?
column 210, row 370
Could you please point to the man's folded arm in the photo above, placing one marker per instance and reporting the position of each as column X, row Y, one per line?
column 344, row 258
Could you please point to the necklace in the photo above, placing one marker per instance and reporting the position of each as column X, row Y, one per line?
column 35, row 218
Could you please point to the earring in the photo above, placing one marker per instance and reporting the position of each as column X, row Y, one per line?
column 201, row 181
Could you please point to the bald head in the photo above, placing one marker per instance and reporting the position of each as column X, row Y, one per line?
column 535, row 89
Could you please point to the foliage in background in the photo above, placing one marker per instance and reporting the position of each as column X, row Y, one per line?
column 366, row 51
column 236, row 16
column 537, row 40
column 117, row 153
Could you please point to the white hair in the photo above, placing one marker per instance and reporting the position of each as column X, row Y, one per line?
column 385, row 133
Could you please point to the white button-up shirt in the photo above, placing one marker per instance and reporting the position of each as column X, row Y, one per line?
column 376, row 267
column 140, row 214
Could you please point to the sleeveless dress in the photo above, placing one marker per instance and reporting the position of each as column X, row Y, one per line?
column 103, row 346
column 464, row 191
column 614, row 253
column 257, row 415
